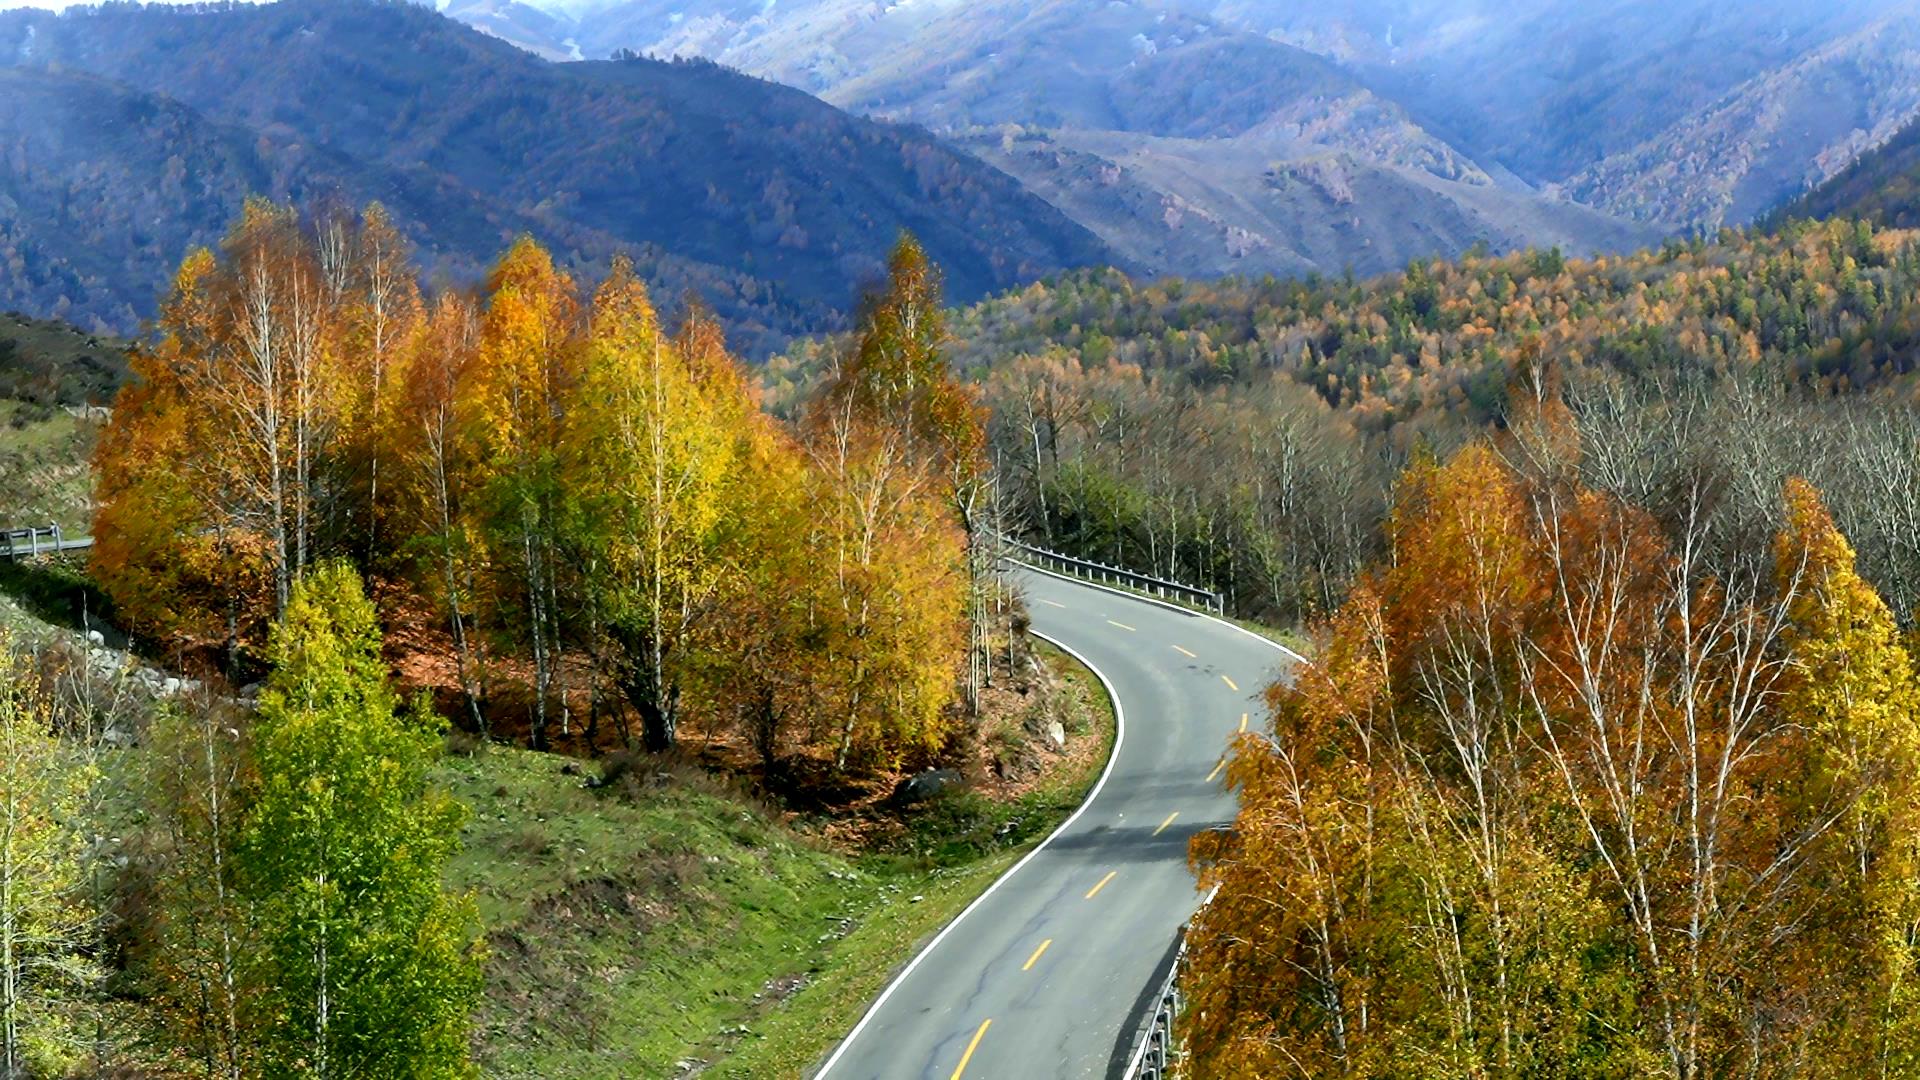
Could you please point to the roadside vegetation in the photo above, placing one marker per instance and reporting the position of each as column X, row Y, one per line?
column 630, row 916
column 782, row 718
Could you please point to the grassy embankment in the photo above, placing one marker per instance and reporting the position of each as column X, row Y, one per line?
column 668, row 926
column 43, row 467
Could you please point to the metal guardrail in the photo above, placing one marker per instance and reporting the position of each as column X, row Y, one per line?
column 1153, row 1049
column 35, row 541
column 1115, row 575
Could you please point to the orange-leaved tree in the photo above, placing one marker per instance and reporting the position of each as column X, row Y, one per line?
column 514, row 412
column 1560, row 797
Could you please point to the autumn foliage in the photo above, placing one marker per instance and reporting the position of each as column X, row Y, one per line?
column 1563, row 796
column 596, row 509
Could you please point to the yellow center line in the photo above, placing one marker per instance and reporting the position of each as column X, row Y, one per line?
column 1164, row 824
column 1121, row 625
column 1216, row 769
column 971, row 1047
column 1243, row 723
column 1103, row 884
column 1184, row 653
column 1035, row 958
column 1231, row 685
column 1051, row 603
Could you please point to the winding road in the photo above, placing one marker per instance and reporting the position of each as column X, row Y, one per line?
column 1050, row 973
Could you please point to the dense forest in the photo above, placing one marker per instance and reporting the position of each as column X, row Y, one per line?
column 1247, row 435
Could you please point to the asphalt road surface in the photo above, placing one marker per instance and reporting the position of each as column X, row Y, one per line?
column 1051, row 972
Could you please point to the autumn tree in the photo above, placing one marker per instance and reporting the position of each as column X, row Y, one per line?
column 897, row 380
column 763, row 659
column 215, row 475
column 895, row 596
column 665, row 453
column 435, row 486
column 48, row 923
column 514, row 412
column 368, row 269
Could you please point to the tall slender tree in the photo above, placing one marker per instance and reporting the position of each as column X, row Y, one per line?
column 370, row 967
column 515, row 415
column 653, row 435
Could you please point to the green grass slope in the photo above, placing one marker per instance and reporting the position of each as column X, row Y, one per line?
column 664, row 925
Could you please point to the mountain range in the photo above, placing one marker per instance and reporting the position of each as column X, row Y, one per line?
column 765, row 154
column 128, row 134
column 1200, row 137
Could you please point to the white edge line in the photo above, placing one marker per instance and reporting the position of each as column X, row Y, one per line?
column 1119, row 739
column 1157, row 602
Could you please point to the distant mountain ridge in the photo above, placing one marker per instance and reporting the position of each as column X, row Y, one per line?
column 774, row 206
column 1604, row 125
column 1187, row 143
column 1771, row 137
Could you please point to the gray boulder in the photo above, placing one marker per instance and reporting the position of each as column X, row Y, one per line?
column 923, row 786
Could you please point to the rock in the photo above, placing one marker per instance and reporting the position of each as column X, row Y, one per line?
column 924, row 786
column 1058, row 734
column 96, row 638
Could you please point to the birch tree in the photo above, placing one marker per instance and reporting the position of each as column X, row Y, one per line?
column 653, row 438
column 207, row 928
column 46, row 921
column 514, row 411
column 369, row 968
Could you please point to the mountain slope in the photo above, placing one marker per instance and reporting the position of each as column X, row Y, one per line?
column 1547, row 88
column 103, row 188
column 774, row 204
column 1189, row 144
column 1251, row 205
column 1674, row 113
column 1772, row 137
column 1882, row 186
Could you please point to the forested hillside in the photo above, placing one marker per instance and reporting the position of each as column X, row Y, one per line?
column 1248, row 434
column 1833, row 304
column 1883, row 187
column 770, row 204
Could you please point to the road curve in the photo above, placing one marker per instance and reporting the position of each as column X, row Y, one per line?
column 1048, row 973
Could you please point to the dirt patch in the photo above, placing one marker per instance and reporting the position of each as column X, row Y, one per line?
column 546, row 991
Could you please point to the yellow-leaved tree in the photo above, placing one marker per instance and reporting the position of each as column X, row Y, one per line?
column 661, row 449
column 514, row 414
